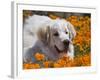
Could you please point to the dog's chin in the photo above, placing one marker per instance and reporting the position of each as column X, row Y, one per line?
column 61, row 51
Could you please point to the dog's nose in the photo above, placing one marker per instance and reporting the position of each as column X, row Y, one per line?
column 66, row 42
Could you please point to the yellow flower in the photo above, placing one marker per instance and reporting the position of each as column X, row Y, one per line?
column 36, row 66
column 39, row 56
column 26, row 66
column 57, row 65
column 61, row 62
column 53, row 16
column 31, row 66
column 74, row 17
column 46, row 64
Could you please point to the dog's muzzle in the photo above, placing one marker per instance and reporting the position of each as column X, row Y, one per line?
column 66, row 46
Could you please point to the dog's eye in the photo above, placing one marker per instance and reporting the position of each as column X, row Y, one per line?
column 66, row 32
column 56, row 34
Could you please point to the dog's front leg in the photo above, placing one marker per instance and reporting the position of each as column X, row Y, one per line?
column 70, row 52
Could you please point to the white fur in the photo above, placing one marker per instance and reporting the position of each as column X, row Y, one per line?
column 33, row 23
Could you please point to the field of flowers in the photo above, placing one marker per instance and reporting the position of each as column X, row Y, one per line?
column 82, row 45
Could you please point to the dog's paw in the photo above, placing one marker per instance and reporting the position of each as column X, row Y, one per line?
column 70, row 55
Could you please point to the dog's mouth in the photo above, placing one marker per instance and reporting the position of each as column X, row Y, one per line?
column 61, row 51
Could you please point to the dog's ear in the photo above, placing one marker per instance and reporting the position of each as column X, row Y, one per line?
column 48, row 34
column 41, row 34
column 71, row 30
column 49, row 37
column 44, row 34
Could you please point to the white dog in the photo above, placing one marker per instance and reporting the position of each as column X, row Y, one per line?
column 47, row 36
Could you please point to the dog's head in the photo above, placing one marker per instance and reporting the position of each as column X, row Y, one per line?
column 58, row 34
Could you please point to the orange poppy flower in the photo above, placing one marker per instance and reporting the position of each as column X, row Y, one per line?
column 39, row 56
